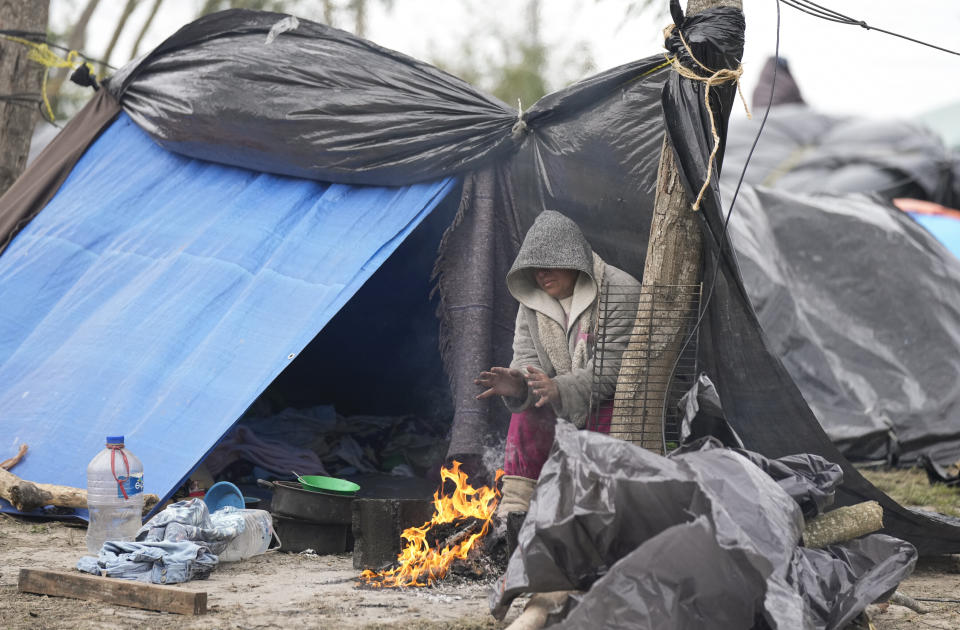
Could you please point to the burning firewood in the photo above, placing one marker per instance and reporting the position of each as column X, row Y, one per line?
column 461, row 534
column 461, row 519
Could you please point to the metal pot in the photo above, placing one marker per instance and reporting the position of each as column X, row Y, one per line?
column 296, row 535
column 290, row 499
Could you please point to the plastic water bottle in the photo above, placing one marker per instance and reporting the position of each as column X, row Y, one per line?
column 114, row 494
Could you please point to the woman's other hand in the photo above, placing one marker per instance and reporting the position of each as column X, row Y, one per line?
column 501, row 381
column 542, row 386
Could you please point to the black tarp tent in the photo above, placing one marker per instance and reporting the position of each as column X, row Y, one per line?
column 856, row 298
column 265, row 92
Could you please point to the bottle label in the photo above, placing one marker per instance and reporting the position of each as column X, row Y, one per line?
column 133, row 484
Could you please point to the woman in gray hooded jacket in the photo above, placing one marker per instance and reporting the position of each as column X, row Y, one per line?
column 558, row 281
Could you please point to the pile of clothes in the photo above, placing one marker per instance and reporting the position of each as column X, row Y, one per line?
column 179, row 544
column 320, row 441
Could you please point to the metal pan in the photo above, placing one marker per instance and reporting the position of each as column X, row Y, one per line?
column 289, row 499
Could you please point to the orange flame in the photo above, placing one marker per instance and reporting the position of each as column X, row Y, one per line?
column 419, row 563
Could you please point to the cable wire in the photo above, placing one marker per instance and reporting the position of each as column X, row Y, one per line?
column 22, row 99
column 41, row 38
column 723, row 232
column 35, row 36
column 824, row 13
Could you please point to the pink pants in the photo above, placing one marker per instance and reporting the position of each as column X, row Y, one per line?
column 531, row 435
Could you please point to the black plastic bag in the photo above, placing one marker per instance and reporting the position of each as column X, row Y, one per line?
column 703, row 415
column 638, row 532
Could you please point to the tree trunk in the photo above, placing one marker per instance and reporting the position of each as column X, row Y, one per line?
column 671, row 272
column 145, row 28
column 359, row 8
column 328, row 12
column 27, row 496
column 18, row 77
column 672, row 267
column 842, row 524
column 209, row 6
column 121, row 24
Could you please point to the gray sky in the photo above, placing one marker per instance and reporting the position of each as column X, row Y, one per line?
column 840, row 69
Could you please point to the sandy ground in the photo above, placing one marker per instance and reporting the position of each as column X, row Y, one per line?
column 280, row 590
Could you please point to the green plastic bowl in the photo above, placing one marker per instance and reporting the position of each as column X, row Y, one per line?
column 331, row 485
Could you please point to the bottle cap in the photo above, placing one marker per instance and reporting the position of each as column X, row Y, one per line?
column 114, row 439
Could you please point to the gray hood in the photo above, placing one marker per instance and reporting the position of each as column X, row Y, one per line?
column 552, row 242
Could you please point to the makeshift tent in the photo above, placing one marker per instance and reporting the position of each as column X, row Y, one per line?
column 154, row 297
column 862, row 305
column 806, row 151
column 945, row 121
column 942, row 222
column 802, row 150
column 857, row 301
column 267, row 93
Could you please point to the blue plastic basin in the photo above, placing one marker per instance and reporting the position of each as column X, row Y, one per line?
column 222, row 494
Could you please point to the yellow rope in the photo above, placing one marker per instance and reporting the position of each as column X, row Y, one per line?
column 42, row 54
column 716, row 77
column 655, row 68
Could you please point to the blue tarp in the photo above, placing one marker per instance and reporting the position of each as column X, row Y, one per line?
column 157, row 296
column 945, row 228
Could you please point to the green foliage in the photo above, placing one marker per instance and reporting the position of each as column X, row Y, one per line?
column 911, row 488
column 514, row 62
column 523, row 78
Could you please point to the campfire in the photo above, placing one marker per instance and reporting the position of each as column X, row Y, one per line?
column 460, row 520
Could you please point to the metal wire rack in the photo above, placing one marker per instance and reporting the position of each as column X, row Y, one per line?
column 638, row 337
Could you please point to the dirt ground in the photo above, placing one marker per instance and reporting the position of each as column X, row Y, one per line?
column 276, row 590
column 280, row 590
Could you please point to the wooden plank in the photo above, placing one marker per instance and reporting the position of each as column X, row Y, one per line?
column 113, row 591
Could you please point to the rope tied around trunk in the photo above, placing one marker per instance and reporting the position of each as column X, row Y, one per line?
column 714, row 77
column 40, row 52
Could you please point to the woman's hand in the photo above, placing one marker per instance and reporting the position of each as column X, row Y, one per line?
column 502, row 381
column 542, row 386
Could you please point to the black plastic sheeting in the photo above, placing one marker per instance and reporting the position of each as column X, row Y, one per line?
column 702, row 539
column 805, row 151
column 262, row 91
column 858, row 301
column 785, row 89
column 809, row 479
column 863, row 307
column 702, row 415
column 312, row 101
